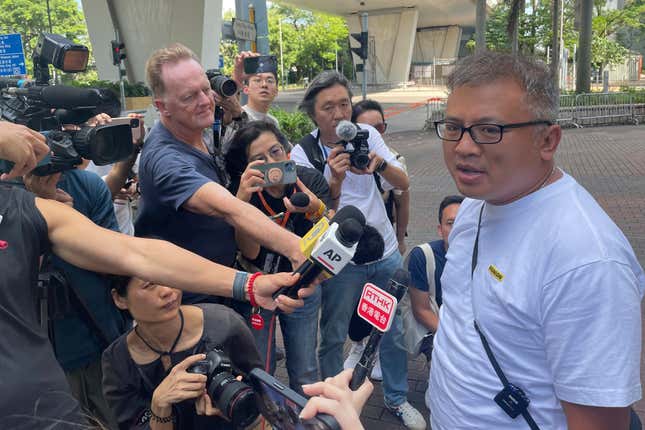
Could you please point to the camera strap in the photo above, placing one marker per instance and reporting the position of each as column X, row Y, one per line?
column 489, row 352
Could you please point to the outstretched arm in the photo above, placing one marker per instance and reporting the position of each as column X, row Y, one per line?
column 80, row 242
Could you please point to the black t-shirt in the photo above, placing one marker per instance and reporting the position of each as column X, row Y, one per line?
column 34, row 391
column 267, row 260
column 128, row 387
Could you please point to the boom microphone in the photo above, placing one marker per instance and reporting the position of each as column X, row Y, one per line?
column 60, row 96
column 397, row 286
column 346, row 130
column 299, row 199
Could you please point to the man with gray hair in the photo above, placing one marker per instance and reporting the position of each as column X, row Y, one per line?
column 541, row 317
column 328, row 101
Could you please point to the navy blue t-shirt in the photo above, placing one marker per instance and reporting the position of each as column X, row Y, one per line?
column 75, row 339
column 170, row 172
column 417, row 268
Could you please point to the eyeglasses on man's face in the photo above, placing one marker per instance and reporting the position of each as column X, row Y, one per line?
column 482, row 134
column 257, row 81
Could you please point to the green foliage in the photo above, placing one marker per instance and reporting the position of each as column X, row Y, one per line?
column 535, row 29
column 294, row 125
column 29, row 18
column 310, row 40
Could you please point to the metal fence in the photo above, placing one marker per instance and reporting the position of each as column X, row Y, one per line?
column 593, row 109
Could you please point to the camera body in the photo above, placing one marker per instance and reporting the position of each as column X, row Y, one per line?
column 42, row 107
column 220, row 83
column 358, row 150
column 233, row 398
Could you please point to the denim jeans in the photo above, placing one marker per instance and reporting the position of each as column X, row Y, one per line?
column 300, row 334
column 340, row 296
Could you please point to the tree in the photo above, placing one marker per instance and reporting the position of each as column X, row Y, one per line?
column 29, row 18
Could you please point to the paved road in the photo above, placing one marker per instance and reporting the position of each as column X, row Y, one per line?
column 608, row 161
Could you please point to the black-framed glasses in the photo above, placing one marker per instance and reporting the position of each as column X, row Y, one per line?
column 483, row 134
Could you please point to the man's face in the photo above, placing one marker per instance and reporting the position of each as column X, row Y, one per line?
column 373, row 118
column 261, row 88
column 503, row 172
column 332, row 106
column 188, row 99
column 447, row 220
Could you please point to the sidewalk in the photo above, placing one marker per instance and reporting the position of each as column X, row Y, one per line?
column 608, row 161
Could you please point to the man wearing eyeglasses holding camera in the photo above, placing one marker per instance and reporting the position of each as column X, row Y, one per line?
column 541, row 291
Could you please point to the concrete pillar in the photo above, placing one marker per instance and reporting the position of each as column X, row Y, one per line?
column 392, row 36
column 146, row 25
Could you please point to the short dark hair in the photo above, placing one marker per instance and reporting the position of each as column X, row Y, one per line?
column 322, row 81
column 447, row 201
column 366, row 105
column 237, row 158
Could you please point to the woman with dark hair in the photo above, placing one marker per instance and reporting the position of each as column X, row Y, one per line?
column 145, row 377
column 253, row 145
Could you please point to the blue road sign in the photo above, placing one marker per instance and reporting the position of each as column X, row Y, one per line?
column 12, row 56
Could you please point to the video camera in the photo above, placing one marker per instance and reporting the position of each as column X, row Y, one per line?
column 41, row 107
column 242, row 403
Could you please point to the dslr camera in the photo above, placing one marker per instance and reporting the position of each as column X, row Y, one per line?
column 358, row 150
column 43, row 108
column 233, row 398
column 220, row 83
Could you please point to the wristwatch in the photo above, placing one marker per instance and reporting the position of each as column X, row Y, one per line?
column 381, row 167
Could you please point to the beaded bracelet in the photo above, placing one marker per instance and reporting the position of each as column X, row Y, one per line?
column 252, row 279
column 162, row 420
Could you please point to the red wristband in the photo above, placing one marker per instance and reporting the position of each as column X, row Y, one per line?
column 249, row 288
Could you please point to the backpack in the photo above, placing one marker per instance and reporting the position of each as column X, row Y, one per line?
column 413, row 331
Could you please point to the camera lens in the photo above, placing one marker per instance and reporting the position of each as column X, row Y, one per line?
column 234, row 398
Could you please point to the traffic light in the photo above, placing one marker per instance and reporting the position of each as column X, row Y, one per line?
column 118, row 52
column 362, row 40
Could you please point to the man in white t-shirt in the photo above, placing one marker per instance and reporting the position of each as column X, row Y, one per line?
column 327, row 101
column 550, row 280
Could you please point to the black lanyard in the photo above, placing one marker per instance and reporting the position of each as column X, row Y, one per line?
column 509, row 389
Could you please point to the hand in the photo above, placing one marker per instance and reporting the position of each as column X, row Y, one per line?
column 42, row 186
column 375, row 161
column 334, row 397
column 266, row 285
column 231, row 106
column 314, row 202
column 338, row 162
column 138, row 142
column 250, row 181
column 100, row 119
column 204, row 406
column 23, row 146
column 63, row 197
column 238, row 69
column 179, row 385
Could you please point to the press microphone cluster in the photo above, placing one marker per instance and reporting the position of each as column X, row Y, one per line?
column 332, row 247
column 397, row 287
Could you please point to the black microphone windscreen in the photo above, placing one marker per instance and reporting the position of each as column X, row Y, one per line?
column 347, row 212
column 65, row 97
column 299, row 199
column 349, row 232
column 370, row 247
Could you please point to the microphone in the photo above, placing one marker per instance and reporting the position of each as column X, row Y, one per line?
column 310, row 239
column 299, row 199
column 60, row 96
column 346, row 130
column 333, row 250
column 397, row 286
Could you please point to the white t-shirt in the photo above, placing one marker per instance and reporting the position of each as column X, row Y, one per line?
column 361, row 190
column 255, row 115
column 557, row 291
